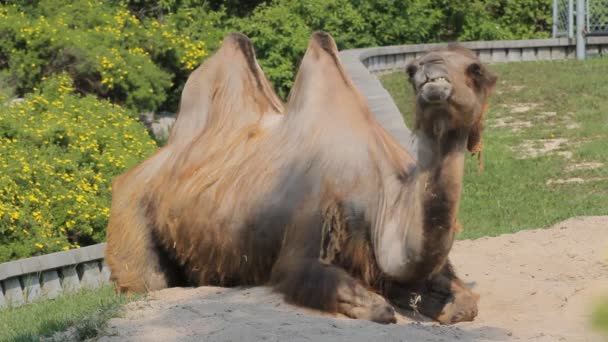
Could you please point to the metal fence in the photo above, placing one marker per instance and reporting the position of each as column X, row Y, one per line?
column 596, row 17
column 594, row 13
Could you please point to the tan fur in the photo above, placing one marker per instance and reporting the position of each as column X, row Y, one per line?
column 217, row 97
column 301, row 201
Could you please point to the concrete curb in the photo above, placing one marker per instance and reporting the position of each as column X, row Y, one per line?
column 49, row 276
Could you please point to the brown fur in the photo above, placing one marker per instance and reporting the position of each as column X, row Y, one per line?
column 215, row 99
column 302, row 202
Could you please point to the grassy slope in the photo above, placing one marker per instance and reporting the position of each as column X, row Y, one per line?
column 86, row 312
column 512, row 194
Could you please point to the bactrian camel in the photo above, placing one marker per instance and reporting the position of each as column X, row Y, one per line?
column 314, row 198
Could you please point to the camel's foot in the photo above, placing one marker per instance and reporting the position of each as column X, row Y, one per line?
column 446, row 301
column 358, row 302
column 459, row 307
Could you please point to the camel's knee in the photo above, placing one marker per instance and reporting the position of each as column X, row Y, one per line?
column 358, row 302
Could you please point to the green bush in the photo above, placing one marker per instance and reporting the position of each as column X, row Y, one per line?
column 59, row 153
column 280, row 33
column 105, row 49
column 194, row 31
column 508, row 19
column 159, row 8
column 393, row 22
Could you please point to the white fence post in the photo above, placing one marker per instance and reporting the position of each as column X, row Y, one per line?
column 580, row 29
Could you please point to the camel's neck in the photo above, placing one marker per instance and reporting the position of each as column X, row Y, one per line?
column 441, row 167
column 416, row 238
column 439, row 186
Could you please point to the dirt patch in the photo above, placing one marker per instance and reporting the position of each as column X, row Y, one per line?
column 71, row 334
column 508, row 88
column 574, row 180
column 510, row 123
column 548, row 114
column 584, row 166
column 541, row 147
column 520, row 116
column 519, row 108
column 573, row 125
column 535, row 285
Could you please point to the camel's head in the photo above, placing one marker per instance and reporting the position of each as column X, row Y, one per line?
column 452, row 89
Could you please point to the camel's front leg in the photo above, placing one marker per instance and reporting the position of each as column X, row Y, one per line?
column 444, row 298
column 310, row 283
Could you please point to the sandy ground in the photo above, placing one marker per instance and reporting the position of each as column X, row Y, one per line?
column 537, row 285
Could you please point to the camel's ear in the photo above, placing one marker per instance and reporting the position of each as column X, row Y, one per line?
column 322, row 87
column 487, row 81
column 229, row 89
column 474, row 141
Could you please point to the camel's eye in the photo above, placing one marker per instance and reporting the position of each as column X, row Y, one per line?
column 411, row 70
column 475, row 70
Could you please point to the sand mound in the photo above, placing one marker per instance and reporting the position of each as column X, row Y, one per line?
column 535, row 285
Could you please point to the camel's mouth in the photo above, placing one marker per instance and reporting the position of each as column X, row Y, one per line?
column 436, row 90
column 437, row 80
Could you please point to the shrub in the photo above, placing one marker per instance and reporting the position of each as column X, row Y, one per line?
column 508, row 19
column 59, row 154
column 105, row 49
column 159, row 8
column 393, row 22
column 195, row 31
column 425, row 21
column 281, row 30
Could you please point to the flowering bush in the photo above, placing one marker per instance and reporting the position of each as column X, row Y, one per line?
column 104, row 48
column 58, row 155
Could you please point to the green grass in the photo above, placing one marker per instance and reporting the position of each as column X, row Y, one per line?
column 86, row 312
column 600, row 315
column 512, row 194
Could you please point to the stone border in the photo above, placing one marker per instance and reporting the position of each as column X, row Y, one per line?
column 48, row 276
column 51, row 275
column 390, row 58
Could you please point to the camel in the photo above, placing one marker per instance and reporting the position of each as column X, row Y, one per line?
column 320, row 203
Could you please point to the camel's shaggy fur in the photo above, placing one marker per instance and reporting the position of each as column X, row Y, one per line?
column 319, row 202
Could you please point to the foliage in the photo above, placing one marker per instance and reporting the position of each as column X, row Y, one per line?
column 105, row 49
column 197, row 31
column 508, row 19
column 281, row 31
column 394, row 22
column 58, row 155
